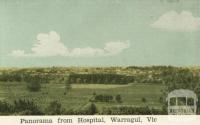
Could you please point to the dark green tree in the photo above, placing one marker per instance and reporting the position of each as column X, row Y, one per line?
column 33, row 84
column 67, row 84
column 54, row 108
column 144, row 100
column 92, row 109
column 26, row 107
column 118, row 98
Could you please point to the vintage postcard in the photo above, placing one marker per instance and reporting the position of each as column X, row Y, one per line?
column 99, row 61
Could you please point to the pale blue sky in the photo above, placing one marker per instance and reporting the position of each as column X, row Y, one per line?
column 93, row 23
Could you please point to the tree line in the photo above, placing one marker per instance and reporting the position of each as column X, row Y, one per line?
column 130, row 110
column 101, row 78
column 110, row 75
column 106, row 98
column 29, row 107
column 20, row 107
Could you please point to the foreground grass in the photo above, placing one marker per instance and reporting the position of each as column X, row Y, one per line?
column 78, row 97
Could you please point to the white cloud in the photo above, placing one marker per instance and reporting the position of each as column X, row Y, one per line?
column 50, row 45
column 172, row 20
column 115, row 47
column 18, row 53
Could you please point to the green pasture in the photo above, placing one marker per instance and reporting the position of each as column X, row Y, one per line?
column 78, row 97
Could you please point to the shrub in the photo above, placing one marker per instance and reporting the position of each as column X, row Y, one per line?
column 33, row 83
column 118, row 98
column 92, row 109
column 34, row 87
column 103, row 98
column 54, row 108
column 144, row 100
column 5, row 108
column 26, row 107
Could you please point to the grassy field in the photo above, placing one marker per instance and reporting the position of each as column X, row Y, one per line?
column 79, row 95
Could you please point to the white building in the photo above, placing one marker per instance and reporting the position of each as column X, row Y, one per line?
column 182, row 102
